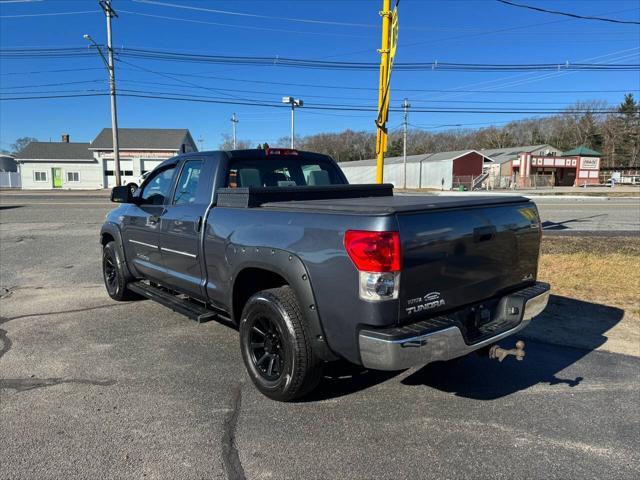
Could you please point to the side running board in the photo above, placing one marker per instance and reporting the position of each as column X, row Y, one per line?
column 193, row 310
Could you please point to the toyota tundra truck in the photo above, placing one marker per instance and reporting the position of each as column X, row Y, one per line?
column 311, row 269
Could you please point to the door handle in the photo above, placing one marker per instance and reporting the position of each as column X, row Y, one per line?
column 153, row 219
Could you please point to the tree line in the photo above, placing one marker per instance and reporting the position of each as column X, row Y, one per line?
column 616, row 135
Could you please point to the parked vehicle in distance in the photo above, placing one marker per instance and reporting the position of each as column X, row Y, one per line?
column 312, row 269
column 133, row 186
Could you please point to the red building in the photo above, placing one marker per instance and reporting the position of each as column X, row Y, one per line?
column 577, row 167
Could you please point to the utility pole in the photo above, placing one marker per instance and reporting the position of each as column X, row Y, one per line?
column 234, row 120
column 405, row 107
column 294, row 102
column 387, row 53
column 108, row 62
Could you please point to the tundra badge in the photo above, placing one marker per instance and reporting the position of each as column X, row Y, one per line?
column 427, row 302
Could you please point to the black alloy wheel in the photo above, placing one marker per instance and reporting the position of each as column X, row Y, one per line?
column 275, row 345
column 267, row 348
column 115, row 274
column 110, row 274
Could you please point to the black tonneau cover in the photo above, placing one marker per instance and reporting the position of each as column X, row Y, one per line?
column 396, row 204
column 363, row 199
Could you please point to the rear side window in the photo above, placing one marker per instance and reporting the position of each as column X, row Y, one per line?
column 187, row 188
column 282, row 172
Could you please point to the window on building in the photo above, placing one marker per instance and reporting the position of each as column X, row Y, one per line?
column 123, row 173
column 127, row 173
column 40, row 176
column 73, row 176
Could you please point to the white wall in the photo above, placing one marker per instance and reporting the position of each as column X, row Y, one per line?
column 90, row 175
column 432, row 174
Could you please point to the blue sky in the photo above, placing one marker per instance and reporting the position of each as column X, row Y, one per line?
column 475, row 31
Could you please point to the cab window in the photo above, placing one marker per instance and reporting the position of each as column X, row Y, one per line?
column 187, row 188
column 282, row 172
column 158, row 187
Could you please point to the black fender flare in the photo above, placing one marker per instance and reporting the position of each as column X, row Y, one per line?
column 290, row 267
column 112, row 229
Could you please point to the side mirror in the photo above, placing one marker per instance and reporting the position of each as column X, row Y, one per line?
column 121, row 194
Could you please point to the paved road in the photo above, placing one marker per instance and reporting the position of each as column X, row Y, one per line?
column 593, row 215
column 92, row 388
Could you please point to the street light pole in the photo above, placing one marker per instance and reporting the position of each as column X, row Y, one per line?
column 294, row 102
column 293, row 122
column 234, row 120
column 405, row 107
column 109, row 12
column 108, row 62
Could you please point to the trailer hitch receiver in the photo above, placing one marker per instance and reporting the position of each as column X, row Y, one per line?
column 498, row 353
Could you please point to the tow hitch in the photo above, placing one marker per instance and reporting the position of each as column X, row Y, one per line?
column 498, row 353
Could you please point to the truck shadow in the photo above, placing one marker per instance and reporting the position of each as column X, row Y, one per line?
column 343, row 378
column 564, row 333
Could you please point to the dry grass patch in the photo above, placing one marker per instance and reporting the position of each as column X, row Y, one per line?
column 596, row 272
column 611, row 279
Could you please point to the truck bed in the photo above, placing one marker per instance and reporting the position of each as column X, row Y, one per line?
column 351, row 199
column 393, row 204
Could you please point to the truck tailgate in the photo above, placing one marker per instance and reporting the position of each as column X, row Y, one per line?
column 458, row 257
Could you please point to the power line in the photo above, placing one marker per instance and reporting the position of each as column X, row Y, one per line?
column 53, row 71
column 247, row 27
column 267, row 100
column 270, row 93
column 148, row 54
column 172, row 77
column 53, row 14
column 408, row 90
column 254, row 15
column 511, row 82
column 61, row 84
column 327, row 107
column 567, row 14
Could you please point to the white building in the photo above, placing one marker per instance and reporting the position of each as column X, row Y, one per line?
column 141, row 150
column 440, row 170
column 65, row 165
column 87, row 166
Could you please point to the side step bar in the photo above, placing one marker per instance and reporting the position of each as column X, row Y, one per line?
column 193, row 310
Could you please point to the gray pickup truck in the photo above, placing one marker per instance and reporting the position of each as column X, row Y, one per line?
column 311, row 269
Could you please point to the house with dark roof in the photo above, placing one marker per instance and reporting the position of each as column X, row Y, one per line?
column 141, row 150
column 76, row 165
column 64, row 164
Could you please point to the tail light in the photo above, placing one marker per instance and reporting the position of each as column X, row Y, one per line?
column 377, row 257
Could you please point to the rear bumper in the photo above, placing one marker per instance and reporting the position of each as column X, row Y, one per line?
column 419, row 344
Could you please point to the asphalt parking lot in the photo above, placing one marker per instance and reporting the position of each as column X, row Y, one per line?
column 92, row 388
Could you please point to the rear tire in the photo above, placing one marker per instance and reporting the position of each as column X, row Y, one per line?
column 114, row 274
column 276, row 347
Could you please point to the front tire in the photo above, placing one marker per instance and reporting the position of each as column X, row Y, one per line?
column 114, row 274
column 132, row 188
column 276, row 347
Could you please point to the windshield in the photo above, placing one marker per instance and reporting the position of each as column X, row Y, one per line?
column 282, row 172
